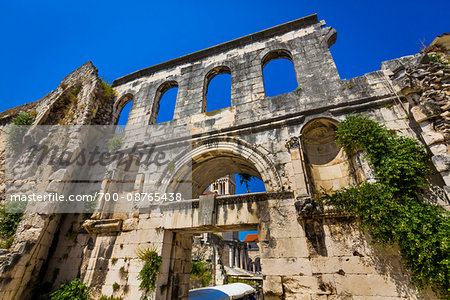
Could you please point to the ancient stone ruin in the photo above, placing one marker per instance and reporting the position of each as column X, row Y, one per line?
column 288, row 141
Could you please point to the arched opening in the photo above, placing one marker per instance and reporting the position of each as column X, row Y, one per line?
column 215, row 168
column 327, row 166
column 165, row 101
column 279, row 73
column 214, row 158
column 217, row 89
column 122, row 109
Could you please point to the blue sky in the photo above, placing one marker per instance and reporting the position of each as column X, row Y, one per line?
column 42, row 42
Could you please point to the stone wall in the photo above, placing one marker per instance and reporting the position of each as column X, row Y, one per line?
column 74, row 102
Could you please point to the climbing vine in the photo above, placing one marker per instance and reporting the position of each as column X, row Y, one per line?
column 390, row 209
column 149, row 272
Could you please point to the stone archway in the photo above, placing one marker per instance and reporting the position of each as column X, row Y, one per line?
column 216, row 157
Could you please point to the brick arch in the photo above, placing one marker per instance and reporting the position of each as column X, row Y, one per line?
column 216, row 157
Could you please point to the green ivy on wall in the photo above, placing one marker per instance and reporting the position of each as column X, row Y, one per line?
column 390, row 210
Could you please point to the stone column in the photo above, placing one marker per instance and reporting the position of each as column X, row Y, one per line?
column 301, row 182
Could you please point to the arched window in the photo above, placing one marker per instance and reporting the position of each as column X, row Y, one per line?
column 279, row 73
column 165, row 101
column 217, row 89
column 121, row 110
column 125, row 113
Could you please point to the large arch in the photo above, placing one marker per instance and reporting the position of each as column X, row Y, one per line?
column 216, row 157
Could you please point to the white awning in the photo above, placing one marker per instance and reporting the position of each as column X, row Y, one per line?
column 222, row 292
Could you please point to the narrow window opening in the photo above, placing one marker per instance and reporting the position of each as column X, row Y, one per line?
column 165, row 101
column 217, row 93
column 125, row 113
column 167, row 105
column 279, row 74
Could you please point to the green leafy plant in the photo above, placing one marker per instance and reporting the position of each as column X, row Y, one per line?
column 7, row 243
column 19, row 127
column 115, row 287
column 72, row 290
column 8, row 226
column 103, row 297
column 439, row 58
column 200, row 270
column 115, row 143
column 149, row 272
column 113, row 260
column 171, row 166
column 108, row 90
column 390, row 209
column 298, row 89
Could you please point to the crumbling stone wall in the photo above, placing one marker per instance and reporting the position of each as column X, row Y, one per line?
column 71, row 103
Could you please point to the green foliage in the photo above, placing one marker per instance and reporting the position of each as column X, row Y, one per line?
column 108, row 90
column 390, row 209
column 7, row 243
column 253, row 283
column 113, row 260
column 18, row 129
column 72, row 290
column 8, row 224
column 149, row 272
column 23, row 119
column 103, row 297
column 115, row 143
column 200, row 270
column 439, row 58
column 245, row 179
column 298, row 89
column 171, row 166
column 115, row 286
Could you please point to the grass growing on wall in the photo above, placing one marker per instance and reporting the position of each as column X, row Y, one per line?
column 18, row 129
column 71, row 290
column 149, row 272
column 390, row 209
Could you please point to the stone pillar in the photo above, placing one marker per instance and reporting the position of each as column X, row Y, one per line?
column 301, row 181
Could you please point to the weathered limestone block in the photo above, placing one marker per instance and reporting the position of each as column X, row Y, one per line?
column 103, row 226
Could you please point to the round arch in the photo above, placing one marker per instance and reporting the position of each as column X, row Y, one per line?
column 164, row 87
column 275, row 54
column 222, row 69
column 213, row 158
column 119, row 105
